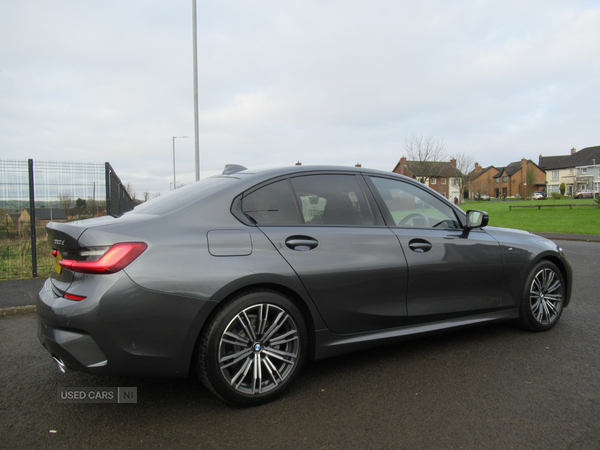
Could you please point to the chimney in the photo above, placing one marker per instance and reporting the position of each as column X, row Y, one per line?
column 403, row 164
column 573, row 151
column 298, row 163
column 478, row 168
column 358, row 165
column 524, row 166
column 453, row 162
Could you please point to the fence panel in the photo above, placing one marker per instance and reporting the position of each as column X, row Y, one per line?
column 59, row 191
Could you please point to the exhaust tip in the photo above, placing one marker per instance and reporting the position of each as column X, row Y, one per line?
column 61, row 364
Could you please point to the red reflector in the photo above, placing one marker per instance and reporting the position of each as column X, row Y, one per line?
column 74, row 297
column 54, row 253
column 116, row 258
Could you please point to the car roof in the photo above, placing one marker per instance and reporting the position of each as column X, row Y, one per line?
column 248, row 178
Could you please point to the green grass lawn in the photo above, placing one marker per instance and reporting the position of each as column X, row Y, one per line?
column 579, row 220
column 15, row 259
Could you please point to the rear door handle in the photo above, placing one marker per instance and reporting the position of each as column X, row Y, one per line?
column 301, row 243
column 419, row 245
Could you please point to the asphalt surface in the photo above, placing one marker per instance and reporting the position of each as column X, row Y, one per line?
column 490, row 387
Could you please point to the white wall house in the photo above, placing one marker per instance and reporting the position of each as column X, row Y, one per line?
column 555, row 177
column 588, row 177
column 579, row 170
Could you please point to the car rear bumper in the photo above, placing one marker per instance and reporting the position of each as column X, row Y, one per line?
column 145, row 333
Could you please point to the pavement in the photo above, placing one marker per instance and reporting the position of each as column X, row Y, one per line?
column 19, row 296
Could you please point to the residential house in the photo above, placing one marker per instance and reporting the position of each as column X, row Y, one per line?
column 481, row 181
column 443, row 177
column 42, row 216
column 579, row 170
column 12, row 219
column 509, row 181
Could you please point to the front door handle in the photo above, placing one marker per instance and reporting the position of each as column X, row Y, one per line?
column 419, row 245
column 301, row 243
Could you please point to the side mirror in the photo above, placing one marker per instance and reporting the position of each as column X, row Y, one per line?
column 477, row 219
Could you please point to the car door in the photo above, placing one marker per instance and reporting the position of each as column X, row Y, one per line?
column 349, row 261
column 451, row 271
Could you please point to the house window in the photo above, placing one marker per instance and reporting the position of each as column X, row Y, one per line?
column 497, row 180
column 571, row 171
column 504, row 179
column 454, row 182
column 433, row 181
column 555, row 175
column 443, row 181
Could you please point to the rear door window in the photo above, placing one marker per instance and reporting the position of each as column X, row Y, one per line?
column 272, row 204
column 332, row 200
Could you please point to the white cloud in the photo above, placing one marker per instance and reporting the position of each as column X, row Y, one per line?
column 321, row 82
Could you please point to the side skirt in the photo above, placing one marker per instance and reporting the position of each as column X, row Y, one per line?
column 329, row 344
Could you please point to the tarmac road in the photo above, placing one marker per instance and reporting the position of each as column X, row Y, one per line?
column 489, row 387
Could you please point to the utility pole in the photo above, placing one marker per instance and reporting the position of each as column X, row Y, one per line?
column 196, row 132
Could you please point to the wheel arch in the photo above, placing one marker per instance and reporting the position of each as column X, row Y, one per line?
column 564, row 271
column 285, row 291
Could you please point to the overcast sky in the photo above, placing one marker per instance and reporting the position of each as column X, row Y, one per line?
column 321, row 82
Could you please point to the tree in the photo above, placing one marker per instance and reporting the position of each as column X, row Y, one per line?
column 464, row 162
column 484, row 187
column 424, row 152
column 530, row 181
column 65, row 200
column 129, row 189
column 80, row 204
column 562, row 188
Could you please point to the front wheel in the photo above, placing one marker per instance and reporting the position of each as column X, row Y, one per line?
column 543, row 297
column 253, row 348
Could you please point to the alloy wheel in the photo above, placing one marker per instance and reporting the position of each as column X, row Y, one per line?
column 259, row 349
column 546, row 296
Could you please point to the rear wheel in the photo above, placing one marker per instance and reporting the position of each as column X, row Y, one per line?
column 253, row 349
column 543, row 297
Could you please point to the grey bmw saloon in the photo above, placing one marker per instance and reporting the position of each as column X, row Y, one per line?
column 242, row 276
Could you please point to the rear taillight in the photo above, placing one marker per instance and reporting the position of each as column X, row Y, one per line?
column 112, row 260
column 75, row 297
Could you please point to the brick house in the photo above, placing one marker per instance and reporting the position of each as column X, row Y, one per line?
column 442, row 177
column 509, row 181
column 481, row 181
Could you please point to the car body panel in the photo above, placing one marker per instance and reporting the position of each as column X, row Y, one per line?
column 461, row 272
column 356, row 276
column 521, row 250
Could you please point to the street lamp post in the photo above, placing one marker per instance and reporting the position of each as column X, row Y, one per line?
column 174, row 181
column 594, row 185
column 195, row 61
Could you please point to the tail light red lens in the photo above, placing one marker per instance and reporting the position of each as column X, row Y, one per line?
column 116, row 258
column 75, row 297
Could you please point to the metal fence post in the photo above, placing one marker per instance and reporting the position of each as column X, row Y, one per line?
column 107, row 182
column 32, row 221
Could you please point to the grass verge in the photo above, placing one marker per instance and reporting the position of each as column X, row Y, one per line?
column 15, row 259
column 578, row 220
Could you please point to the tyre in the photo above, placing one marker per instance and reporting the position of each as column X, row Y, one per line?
column 253, row 348
column 543, row 297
